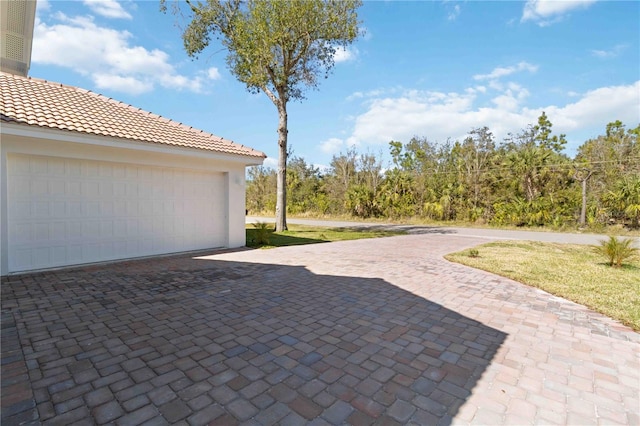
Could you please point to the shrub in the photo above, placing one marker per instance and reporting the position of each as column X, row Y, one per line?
column 616, row 250
column 263, row 231
column 474, row 253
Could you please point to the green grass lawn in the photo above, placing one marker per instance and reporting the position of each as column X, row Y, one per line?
column 300, row 234
column 570, row 271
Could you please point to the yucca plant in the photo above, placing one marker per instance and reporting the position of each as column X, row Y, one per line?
column 616, row 250
column 263, row 231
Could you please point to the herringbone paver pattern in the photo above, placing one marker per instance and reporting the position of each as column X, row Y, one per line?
column 363, row 332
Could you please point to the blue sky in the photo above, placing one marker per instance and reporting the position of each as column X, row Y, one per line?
column 426, row 68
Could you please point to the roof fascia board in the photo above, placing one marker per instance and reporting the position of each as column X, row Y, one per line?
column 85, row 138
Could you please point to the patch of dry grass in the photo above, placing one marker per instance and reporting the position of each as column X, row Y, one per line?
column 574, row 272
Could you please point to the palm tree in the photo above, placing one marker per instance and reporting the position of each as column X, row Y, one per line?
column 530, row 164
column 616, row 250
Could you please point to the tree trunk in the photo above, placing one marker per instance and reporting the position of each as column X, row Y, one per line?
column 530, row 192
column 583, row 210
column 281, row 196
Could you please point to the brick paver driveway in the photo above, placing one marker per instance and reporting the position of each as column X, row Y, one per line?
column 373, row 331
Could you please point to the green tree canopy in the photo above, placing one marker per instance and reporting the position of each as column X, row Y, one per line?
column 279, row 47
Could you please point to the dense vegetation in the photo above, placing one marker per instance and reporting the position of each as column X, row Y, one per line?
column 524, row 180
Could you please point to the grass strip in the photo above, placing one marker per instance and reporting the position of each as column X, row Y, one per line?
column 571, row 271
column 302, row 234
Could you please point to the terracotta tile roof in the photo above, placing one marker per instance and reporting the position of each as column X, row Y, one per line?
column 41, row 103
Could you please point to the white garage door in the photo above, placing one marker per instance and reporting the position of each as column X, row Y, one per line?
column 66, row 211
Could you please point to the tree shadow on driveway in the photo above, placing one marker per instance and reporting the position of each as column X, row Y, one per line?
column 407, row 229
column 216, row 341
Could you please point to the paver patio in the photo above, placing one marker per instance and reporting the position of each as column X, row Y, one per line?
column 378, row 331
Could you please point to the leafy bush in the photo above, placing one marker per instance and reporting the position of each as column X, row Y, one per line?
column 474, row 253
column 263, row 231
column 616, row 250
column 361, row 202
column 624, row 200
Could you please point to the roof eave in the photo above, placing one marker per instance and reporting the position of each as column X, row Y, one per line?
column 18, row 128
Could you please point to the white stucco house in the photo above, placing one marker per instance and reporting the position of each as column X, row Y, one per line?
column 85, row 178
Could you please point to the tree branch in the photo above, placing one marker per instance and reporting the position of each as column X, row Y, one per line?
column 271, row 96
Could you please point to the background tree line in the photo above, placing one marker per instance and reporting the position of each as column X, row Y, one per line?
column 524, row 180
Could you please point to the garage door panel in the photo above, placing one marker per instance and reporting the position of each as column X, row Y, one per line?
column 91, row 209
column 21, row 165
column 20, row 209
column 58, row 209
column 21, row 259
column 21, row 233
column 74, row 233
column 90, row 251
column 105, row 170
column 90, row 188
column 41, row 233
column 21, row 185
column 106, row 209
column 38, row 165
column 72, row 167
column 40, row 210
column 73, row 253
column 40, row 256
column 108, row 251
column 133, row 247
column 39, row 187
column 106, row 189
column 73, row 188
column 58, row 254
column 89, row 169
column 57, row 188
column 58, row 231
column 55, row 166
column 68, row 211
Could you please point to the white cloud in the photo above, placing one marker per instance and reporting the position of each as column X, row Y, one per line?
column 414, row 112
column 121, row 84
column 512, row 97
column 547, row 12
column 270, row 163
column 343, row 54
column 504, row 71
column 108, row 8
column 453, row 14
column 213, row 73
column 332, row 146
column 611, row 53
column 372, row 93
column 600, row 106
column 440, row 116
column 399, row 113
column 108, row 58
column 365, row 33
column 42, row 6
